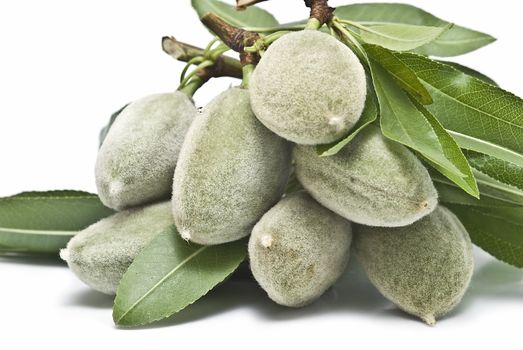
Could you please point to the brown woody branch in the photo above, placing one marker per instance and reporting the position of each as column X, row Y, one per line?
column 235, row 38
column 224, row 66
column 320, row 10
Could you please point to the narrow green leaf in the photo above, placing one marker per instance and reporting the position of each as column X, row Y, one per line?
column 478, row 145
column 403, row 75
column 499, row 231
column 480, row 116
column 470, row 71
column 369, row 115
column 452, row 152
column 496, row 189
column 401, row 37
column 112, row 119
column 500, row 170
column 490, row 191
column 251, row 17
column 170, row 274
column 402, row 121
column 43, row 222
column 456, row 41
column 449, row 192
column 494, row 224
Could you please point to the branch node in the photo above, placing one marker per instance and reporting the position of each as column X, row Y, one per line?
column 223, row 65
column 235, row 38
column 320, row 10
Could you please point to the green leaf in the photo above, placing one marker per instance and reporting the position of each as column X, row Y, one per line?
column 499, row 190
column 170, row 274
column 403, row 75
column 456, row 41
column 6, row 249
column 494, row 224
column 449, row 192
column 491, row 191
column 480, row 116
column 401, row 37
column 454, row 153
column 369, row 115
column 251, row 17
column 469, row 71
column 105, row 130
column 402, row 121
column 500, row 170
column 499, row 231
column 43, row 222
column 475, row 144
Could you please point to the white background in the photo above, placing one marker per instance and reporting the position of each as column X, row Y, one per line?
column 65, row 66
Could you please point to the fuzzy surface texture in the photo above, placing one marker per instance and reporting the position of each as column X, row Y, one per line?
column 298, row 250
column 136, row 162
column 308, row 88
column 100, row 254
column 424, row 268
column 231, row 170
column 372, row 181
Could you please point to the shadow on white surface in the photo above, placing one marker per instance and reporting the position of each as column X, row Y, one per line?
column 91, row 299
column 494, row 280
column 353, row 294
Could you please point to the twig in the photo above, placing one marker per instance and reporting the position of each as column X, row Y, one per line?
column 224, row 66
column 320, row 10
column 235, row 38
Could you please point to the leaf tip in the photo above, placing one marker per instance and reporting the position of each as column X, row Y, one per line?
column 327, row 153
column 491, row 38
column 425, row 99
column 321, row 150
column 119, row 318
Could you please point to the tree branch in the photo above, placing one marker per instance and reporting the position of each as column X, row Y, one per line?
column 224, row 66
column 235, row 38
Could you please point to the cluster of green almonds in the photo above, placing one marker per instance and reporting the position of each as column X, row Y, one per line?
column 231, row 164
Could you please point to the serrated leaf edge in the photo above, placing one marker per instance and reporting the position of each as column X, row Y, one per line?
column 511, row 156
column 437, row 63
column 497, row 184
